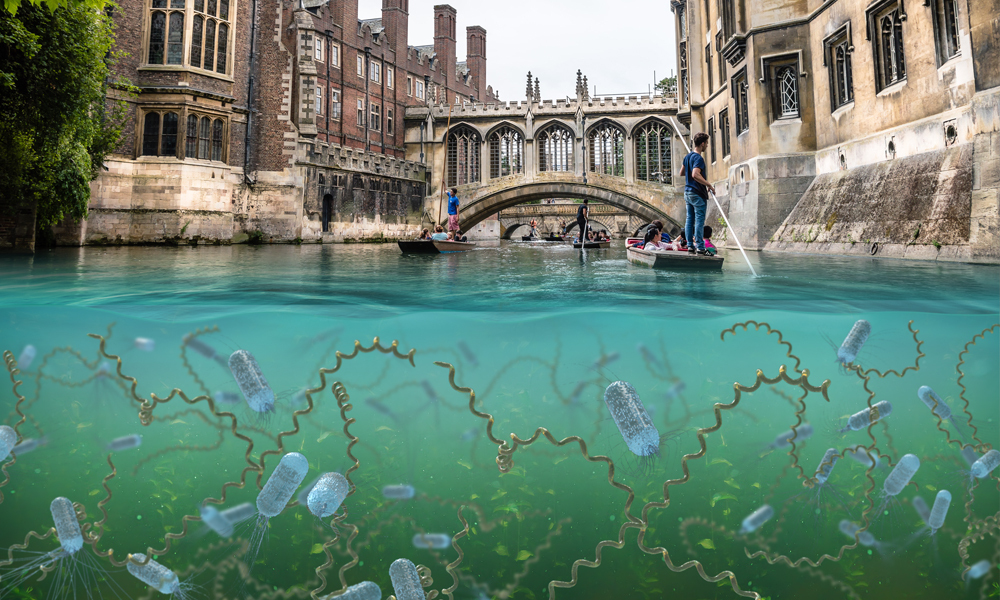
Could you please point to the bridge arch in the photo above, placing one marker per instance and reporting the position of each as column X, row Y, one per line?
column 483, row 207
column 501, row 125
column 631, row 132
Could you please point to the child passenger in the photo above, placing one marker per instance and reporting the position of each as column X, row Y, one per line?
column 709, row 246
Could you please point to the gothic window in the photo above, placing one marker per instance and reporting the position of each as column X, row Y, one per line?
column 555, row 149
column 787, row 81
column 607, row 150
column 653, row 153
column 946, row 26
column 838, row 62
column 724, row 131
column 204, row 138
column 741, row 94
column 209, row 24
column 682, row 22
column 463, row 156
column 682, row 52
column 159, row 134
column 885, row 29
column 506, row 152
column 711, row 137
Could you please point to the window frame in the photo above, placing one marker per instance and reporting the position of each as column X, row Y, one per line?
column 390, row 125
column 319, row 101
column 946, row 31
column 773, row 68
column 335, row 114
column 463, row 142
column 189, row 12
column 506, row 141
column 362, row 116
column 183, row 134
column 740, row 92
column 375, row 70
column 663, row 156
column 319, row 55
column 333, row 48
column 724, row 132
column 606, row 135
column 708, row 67
column 409, row 86
column 420, row 91
column 361, row 65
column 390, row 77
column 562, row 150
column 874, row 16
column 375, row 114
column 711, row 139
column 841, row 38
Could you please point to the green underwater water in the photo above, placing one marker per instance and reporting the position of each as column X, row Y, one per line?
column 538, row 333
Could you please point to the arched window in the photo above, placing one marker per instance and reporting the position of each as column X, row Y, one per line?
column 652, row 153
column 217, row 139
column 159, row 134
column 788, row 89
column 208, row 21
column 555, row 149
column 607, row 150
column 506, row 152
column 463, row 156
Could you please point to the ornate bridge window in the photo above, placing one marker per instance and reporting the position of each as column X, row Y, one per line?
column 463, row 156
column 607, row 150
column 506, row 152
column 555, row 149
column 652, row 153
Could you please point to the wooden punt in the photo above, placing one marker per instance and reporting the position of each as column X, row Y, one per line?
column 592, row 245
column 433, row 246
column 674, row 260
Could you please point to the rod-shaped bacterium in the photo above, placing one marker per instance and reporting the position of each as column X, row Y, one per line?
column 826, row 465
column 939, row 511
column 850, row 528
column 328, row 494
column 67, row 527
column 154, row 575
column 637, row 429
column 855, row 340
column 865, row 417
column 215, row 521
column 901, row 474
column 26, row 357
column 432, row 541
column 252, row 383
column 756, row 519
column 126, row 442
column 801, row 433
column 366, row 590
column 398, row 492
column 986, row 463
column 934, row 402
column 145, row 344
column 239, row 513
column 282, row 483
column 8, row 439
column 921, row 507
column 405, row 580
column 978, row 570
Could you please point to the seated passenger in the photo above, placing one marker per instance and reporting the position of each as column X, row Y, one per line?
column 680, row 243
column 439, row 234
column 460, row 237
column 653, row 240
column 709, row 246
column 425, row 235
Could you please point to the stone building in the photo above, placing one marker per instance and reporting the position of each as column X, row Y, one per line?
column 272, row 116
column 849, row 126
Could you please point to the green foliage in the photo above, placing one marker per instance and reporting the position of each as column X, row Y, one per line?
column 56, row 125
column 12, row 6
column 256, row 238
column 667, row 84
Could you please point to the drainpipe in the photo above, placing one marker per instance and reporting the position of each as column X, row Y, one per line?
column 250, row 103
column 329, row 37
column 368, row 108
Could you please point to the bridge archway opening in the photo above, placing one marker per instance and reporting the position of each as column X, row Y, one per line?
column 482, row 208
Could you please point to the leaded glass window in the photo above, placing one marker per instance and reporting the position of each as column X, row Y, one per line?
column 159, row 134
column 555, row 149
column 788, row 92
column 653, row 153
column 741, row 94
column 463, row 156
column 506, row 152
column 208, row 46
column 838, row 63
column 886, row 33
column 607, row 150
column 946, row 24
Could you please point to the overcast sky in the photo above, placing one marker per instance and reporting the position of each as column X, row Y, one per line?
column 618, row 44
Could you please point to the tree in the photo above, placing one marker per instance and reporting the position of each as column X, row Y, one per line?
column 56, row 123
column 12, row 6
column 667, row 86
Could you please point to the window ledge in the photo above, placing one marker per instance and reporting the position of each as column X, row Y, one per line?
column 948, row 63
column 789, row 121
column 843, row 108
column 172, row 160
column 892, row 89
column 183, row 69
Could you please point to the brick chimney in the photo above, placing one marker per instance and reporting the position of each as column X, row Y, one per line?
column 396, row 20
column 445, row 44
column 345, row 14
column 476, row 59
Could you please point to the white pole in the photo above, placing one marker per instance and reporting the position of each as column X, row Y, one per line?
column 719, row 206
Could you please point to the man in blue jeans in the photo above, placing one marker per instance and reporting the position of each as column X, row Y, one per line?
column 696, row 190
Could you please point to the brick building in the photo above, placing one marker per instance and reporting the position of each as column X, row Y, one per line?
column 849, row 126
column 272, row 116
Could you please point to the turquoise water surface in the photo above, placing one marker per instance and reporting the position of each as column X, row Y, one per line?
column 538, row 332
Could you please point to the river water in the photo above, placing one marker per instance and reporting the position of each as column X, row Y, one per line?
column 539, row 332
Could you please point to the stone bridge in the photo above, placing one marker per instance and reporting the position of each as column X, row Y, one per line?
column 552, row 218
column 623, row 152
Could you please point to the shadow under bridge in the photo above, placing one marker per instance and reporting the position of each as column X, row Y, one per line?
column 482, row 207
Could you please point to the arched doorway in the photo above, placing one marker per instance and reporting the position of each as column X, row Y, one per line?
column 327, row 211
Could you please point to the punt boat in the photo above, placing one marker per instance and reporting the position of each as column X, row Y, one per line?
column 434, row 246
column 673, row 259
column 592, row 245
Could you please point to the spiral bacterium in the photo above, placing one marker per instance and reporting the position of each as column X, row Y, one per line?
column 405, row 580
column 637, row 429
column 145, row 344
column 67, row 527
column 905, row 469
column 432, row 541
column 756, row 519
column 251, row 380
column 865, row 417
column 398, row 492
column 8, row 439
column 855, row 340
column 921, row 507
column 784, row 439
column 215, row 521
column 328, row 494
column 978, row 570
column 366, row 590
column 939, row 511
column 127, row 442
column 934, row 402
column 155, row 575
column 26, row 357
column 282, row 483
column 224, row 397
column 985, row 465
column 826, row 465
column 238, row 513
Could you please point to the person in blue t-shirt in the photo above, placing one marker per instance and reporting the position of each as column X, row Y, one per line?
column 696, row 189
column 452, row 209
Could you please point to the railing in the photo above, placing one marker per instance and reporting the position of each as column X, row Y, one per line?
column 528, row 210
